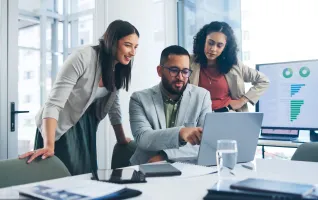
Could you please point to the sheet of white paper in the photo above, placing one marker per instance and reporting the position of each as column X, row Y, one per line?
column 96, row 189
column 189, row 170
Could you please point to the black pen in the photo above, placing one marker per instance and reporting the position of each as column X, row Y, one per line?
column 247, row 167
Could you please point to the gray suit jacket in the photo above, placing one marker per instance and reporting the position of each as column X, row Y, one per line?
column 148, row 122
column 74, row 91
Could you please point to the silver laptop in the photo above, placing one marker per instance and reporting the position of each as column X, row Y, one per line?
column 240, row 126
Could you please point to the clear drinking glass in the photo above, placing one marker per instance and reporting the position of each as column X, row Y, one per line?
column 226, row 158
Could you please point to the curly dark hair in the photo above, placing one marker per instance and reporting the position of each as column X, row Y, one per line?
column 228, row 57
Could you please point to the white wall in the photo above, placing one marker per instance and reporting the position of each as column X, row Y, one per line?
column 156, row 21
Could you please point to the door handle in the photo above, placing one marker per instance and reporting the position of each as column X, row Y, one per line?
column 13, row 113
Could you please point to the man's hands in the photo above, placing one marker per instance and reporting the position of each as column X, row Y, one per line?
column 191, row 134
column 188, row 134
column 156, row 158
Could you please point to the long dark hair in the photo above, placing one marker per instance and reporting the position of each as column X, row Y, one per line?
column 107, row 50
column 228, row 57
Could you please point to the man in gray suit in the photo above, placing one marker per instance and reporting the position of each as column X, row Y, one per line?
column 167, row 119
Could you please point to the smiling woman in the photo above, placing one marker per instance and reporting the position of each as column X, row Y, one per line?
column 85, row 91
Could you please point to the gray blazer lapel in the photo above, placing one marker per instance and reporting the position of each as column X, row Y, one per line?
column 183, row 108
column 158, row 102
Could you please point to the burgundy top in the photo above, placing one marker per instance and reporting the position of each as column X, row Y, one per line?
column 216, row 84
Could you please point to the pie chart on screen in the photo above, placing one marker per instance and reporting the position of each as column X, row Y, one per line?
column 288, row 73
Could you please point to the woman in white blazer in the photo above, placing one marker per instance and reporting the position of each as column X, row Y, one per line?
column 216, row 68
column 85, row 91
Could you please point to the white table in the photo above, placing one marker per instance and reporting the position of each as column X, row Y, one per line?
column 196, row 187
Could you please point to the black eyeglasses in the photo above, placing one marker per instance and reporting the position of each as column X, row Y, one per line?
column 174, row 71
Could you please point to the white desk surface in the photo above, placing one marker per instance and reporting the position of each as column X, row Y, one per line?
column 196, row 187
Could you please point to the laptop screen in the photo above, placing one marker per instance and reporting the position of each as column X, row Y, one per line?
column 280, row 132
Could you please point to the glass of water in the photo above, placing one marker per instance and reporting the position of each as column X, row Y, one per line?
column 226, row 158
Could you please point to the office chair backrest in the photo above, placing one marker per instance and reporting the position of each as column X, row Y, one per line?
column 306, row 152
column 17, row 171
column 122, row 154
